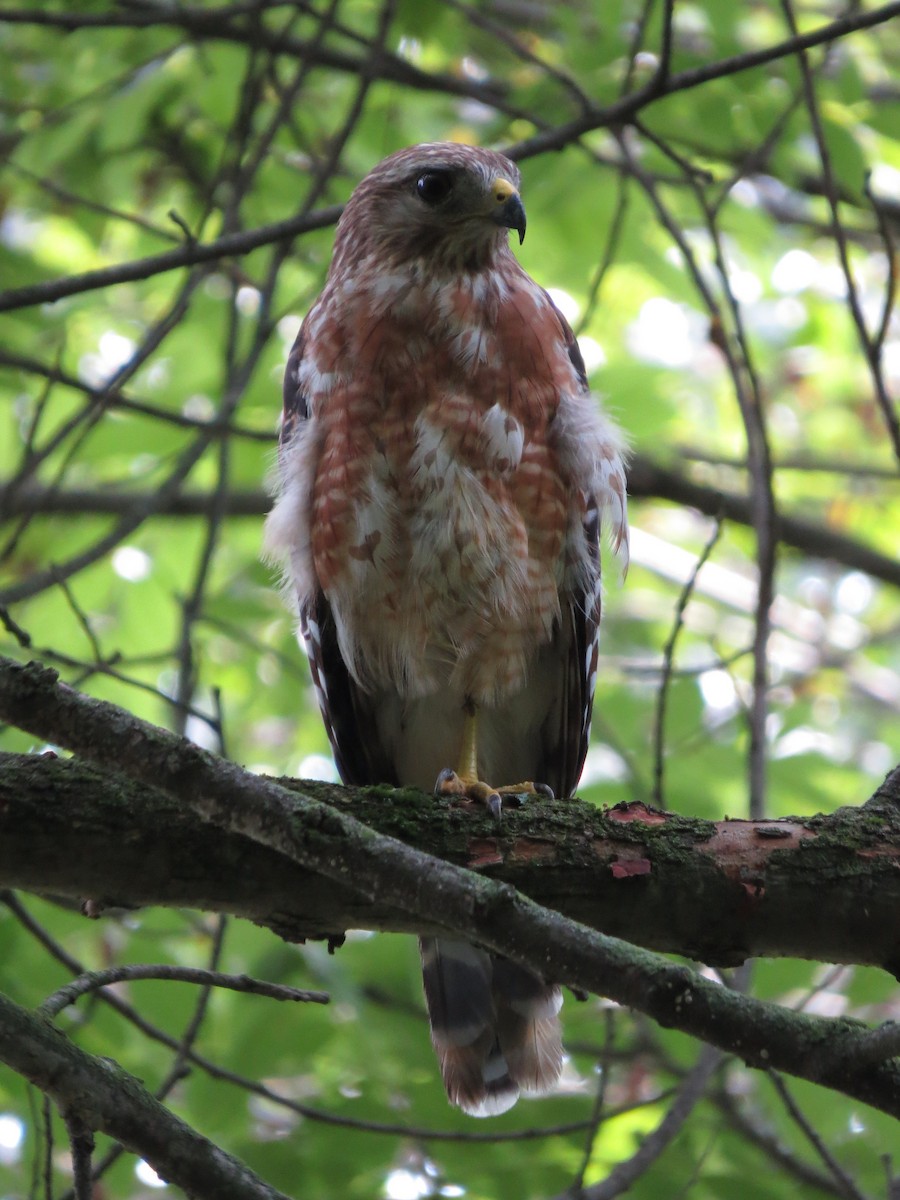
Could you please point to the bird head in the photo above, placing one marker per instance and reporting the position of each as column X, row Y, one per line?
column 446, row 203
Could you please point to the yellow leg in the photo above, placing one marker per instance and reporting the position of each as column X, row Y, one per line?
column 465, row 781
column 468, row 752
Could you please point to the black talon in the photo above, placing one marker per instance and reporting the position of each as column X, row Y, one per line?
column 495, row 805
column 445, row 776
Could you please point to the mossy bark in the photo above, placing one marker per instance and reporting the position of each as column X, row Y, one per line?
column 826, row 887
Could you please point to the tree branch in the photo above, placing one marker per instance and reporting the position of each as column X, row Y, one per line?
column 383, row 65
column 824, row 888
column 106, row 1098
column 93, row 981
column 218, row 25
column 228, row 246
column 625, row 109
column 325, row 840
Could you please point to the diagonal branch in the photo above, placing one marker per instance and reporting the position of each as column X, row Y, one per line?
column 189, row 255
column 626, row 108
column 106, row 1098
column 335, row 845
column 627, row 1173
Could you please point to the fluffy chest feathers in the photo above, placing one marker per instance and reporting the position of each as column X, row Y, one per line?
column 440, row 513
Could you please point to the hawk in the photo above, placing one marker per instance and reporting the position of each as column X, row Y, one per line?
column 444, row 471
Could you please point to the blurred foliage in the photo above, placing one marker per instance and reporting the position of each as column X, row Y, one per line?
column 128, row 129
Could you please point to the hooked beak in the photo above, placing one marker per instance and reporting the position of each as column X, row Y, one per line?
column 508, row 209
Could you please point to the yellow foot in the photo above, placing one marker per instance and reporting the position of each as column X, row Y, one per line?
column 465, row 787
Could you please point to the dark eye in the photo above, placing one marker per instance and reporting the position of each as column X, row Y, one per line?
column 434, row 186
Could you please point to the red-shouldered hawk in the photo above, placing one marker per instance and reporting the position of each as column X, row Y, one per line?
column 444, row 469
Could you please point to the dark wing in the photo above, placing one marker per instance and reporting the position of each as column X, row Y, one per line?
column 295, row 402
column 347, row 712
column 564, row 738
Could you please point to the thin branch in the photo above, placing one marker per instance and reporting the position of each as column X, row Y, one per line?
column 763, row 512
column 846, row 1185
column 228, row 246
column 84, row 422
column 88, row 203
column 597, row 1113
column 662, row 695
column 624, row 109
column 237, row 244
column 92, row 981
column 664, row 71
column 610, row 248
column 78, row 428
column 113, row 398
column 871, row 346
column 849, row 467
column 502, row 34
column 131, row 517
column 306, row 1111
column 759, row 1130
column 634, row 46
column 647, row 479
column 216, row 24
column 625, row 1174
column 890, row 286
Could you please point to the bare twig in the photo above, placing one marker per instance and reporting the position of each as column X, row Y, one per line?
column 229, row 245
column 759, row 1130
column 662, row 694
column 625, row 1174
column 94, row 980
column 623, row 110
column 501, row 34
column 597, row 1114
column 844, row 1181
column 763, row 513
column 271, row 1095
column 113, row 398
column 871, row 346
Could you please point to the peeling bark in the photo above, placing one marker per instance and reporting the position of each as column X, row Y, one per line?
column 825, row 887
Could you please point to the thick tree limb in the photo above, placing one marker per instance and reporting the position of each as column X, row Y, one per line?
column 324, row 839
column 825, row 888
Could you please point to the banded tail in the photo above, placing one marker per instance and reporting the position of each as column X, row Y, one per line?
column 494, row 1026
